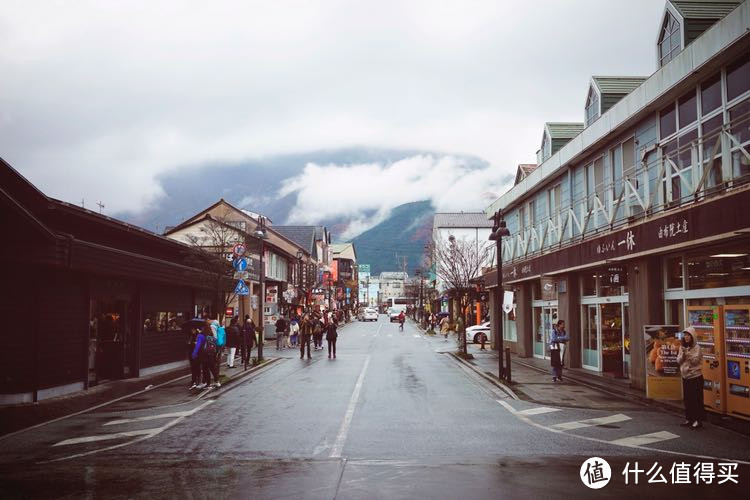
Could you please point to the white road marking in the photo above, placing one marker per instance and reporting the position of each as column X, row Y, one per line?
column 390, row 335
column 338, row 446
column 591, row 422
column 530, row 422
column 150, row 417
column 538, row 411
column 416, row 336
column 643, row 439
column 105, row 437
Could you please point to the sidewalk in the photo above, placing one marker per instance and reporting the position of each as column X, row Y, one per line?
column 532, row 381
column 16, row 417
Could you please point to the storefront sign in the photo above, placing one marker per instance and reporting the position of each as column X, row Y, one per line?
column 507, row 301
column 663, row 379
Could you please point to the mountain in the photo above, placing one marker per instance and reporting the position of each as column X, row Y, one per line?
column 403, row 234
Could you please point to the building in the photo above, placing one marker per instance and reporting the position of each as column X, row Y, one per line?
column 642, row 215
column 460, row 250
column 220, row 227
column 90, row 299
column 363, row 273
column 392, row 286
column 345, row 279
column 316, row 240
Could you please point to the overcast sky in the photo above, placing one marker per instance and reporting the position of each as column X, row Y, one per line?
column 98, row 98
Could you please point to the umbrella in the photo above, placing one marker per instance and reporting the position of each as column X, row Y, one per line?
column 193, row 323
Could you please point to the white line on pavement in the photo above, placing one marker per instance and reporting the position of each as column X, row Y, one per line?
column 643, row 439
column 591, row 422
column 416, row 336
column 538, row 411
column 105, row 437
column 528, row 421
column 338, row 446
column 150, row 417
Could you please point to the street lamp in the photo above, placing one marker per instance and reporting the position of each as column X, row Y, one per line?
column 262, row 235
column 498, row 231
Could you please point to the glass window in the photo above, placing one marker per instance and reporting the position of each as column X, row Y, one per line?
column 613, row 279
column 687, row 109
column 667, row 122
column 163, row 321
column 669, row 45
column 739, row 118
column 588, row 283
column 712, row 148
column 725, row 266
column 592, row 107
column 711, row 94
column 738, row 78
column 674, row 272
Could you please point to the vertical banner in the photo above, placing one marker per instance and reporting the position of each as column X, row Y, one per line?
column 662, row 371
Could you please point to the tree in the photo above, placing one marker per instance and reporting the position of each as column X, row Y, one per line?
column 211, row 252
column 457, row 262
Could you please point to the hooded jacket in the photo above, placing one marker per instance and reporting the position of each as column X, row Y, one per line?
column 690, row 359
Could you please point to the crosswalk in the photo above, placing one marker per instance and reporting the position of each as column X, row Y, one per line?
column 605, row 422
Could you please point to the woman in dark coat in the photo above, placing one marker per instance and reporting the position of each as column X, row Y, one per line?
column 331, row 336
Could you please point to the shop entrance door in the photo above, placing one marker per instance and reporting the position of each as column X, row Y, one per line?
column 544, row 318
column 590, row 337
column 110, row 341
column 612, row 339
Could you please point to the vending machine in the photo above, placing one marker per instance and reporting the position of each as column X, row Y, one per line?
column 737, row 338
column 707, row 321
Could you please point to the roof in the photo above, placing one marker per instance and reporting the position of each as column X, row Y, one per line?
column 303, row 236
column 618, row 84
column 461, row 219
column 563, row 130
column 393, row 275
column 524, row 169
column 344, row 251
column 705, row 9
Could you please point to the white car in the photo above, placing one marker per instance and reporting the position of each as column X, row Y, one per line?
column 370, row 314
column 474, row 333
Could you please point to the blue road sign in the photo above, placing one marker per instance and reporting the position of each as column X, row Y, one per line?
column 239, row 264
column 241, row 288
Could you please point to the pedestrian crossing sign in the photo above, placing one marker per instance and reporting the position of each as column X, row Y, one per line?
column 241, row 288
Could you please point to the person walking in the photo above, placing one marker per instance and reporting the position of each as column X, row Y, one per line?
column 280, row 327
column 432, row 321
column 401, row 319
column 331, row 336
column 445, row 324
column 317, row 332
column 294, row 332
column 557, row 339
column 234, row 339
column 305, row 332
column 248, row 340
column 207, row 350
column 690, row 359
column 195, row 363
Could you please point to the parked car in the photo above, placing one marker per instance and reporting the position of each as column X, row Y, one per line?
column 369, row 314
column 475, row 333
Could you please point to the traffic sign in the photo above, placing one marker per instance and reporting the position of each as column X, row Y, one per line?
column 241, row 288
column 239, row 264
column 239, row 249
column 241, row 275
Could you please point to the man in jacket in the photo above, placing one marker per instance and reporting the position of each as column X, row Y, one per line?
column 280, row 329
column 305, row 333
column 248, row 340
column 234, row 338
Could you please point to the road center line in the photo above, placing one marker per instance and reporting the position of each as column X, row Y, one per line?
column 338, row 446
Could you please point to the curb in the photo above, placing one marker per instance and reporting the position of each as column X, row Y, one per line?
column 240, row 376
column 486, row 377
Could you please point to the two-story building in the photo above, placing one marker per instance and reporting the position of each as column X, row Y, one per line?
column 642, row 215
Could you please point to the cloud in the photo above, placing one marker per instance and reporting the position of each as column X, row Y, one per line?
column 366, row 193
column 101, row 98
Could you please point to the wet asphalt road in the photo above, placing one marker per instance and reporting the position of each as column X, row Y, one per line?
column 391, row 417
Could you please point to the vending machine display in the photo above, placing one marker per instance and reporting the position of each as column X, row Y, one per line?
column 737, row 338
column 707, row 321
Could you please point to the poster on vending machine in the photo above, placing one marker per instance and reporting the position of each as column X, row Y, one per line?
column 662, row 370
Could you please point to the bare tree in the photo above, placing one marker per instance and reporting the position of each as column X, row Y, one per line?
column 212, row 253
column 457, row 262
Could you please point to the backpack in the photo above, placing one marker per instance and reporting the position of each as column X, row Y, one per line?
column 209, row 345
column 317, row 329
column 221, row 336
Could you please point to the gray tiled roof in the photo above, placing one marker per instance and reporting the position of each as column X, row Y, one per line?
column 618, row 84
column 461, row 219
column 564, row 130
column 304, row 236
column 705, row 9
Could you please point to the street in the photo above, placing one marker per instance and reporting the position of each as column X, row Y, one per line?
column 392, row 417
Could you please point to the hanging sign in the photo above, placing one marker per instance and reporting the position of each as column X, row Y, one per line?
column 507, row 301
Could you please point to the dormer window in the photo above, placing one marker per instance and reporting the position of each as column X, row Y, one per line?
column 546, row 149
column 670, row 40
column 592, row 106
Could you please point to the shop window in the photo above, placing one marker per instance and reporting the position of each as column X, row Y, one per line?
column 738, row 78
column 667, row 121
column 739, row 117
column 613, row 281
column 674, row 272
column 722, row 268
column 163, row 321
column 588, row 284
column 687, row 109
column 711, row 94
column 509, row 326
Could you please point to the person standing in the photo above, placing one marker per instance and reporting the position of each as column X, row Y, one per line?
column 208, row 352
column 195, row 363
column 248, row 340
column 690, row 359
column 306, row 330
column 280, row 329
column 557, row 339
column 331, row 336
column 234, row 338
column 317, row 332
column 294, row 332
